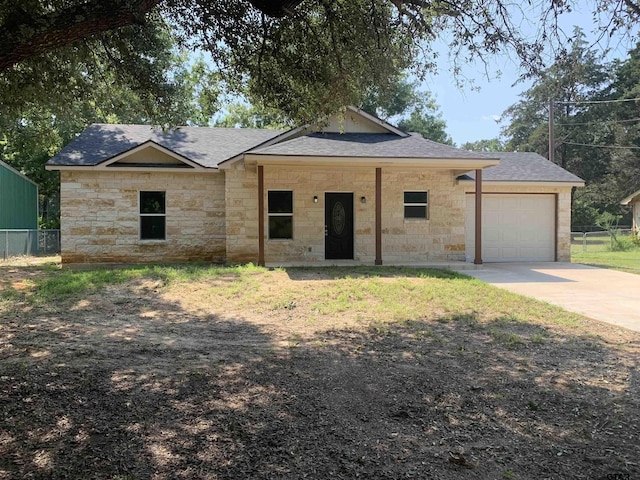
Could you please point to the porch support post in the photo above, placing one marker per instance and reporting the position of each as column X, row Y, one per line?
column 478, row 223
column 378, row 216
column 260, row 215
column 557, row 226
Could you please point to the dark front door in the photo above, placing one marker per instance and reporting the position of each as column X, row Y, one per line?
column 338, row 225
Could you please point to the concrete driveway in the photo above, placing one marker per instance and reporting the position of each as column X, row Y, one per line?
column 606, row 295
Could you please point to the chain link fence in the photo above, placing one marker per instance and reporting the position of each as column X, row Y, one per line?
column 14, row 243
column 601, row 241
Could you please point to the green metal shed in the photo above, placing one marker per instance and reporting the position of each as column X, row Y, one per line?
column 18, row 213
column 18, row 200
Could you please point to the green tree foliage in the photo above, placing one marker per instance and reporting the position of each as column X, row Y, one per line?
column 401, row 103
column 304, row 58
column 577, row 75
column 623, row 121
column 486, row 145
column 59, row 97
column 426, row 120
column 393, row 99
column 133, row 70
column 241, row 114
column 596, row 134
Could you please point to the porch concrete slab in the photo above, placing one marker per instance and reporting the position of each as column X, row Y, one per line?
column 606, row 295
column 444, row 265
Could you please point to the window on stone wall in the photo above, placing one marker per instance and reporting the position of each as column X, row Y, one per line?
column 416, row 204
column 153, row 215
column 280, row 210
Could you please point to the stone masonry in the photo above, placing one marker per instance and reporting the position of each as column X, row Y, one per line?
column 100, row 214
column 441, row 237
column 100, row 217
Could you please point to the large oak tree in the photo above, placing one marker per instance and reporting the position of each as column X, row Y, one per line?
column 302, row 57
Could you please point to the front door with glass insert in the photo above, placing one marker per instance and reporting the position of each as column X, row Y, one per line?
column 338, row 225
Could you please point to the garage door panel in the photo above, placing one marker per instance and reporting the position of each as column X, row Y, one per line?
column 516, row 227
column 510, row 236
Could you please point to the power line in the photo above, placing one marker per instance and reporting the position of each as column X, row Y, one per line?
column 619, row 147
column 608, row 122
column 577, row 102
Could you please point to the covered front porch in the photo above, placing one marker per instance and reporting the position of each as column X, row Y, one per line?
column 379, row 212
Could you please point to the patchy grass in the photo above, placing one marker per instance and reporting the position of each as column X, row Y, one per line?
column 627, row 261
column 211, row 372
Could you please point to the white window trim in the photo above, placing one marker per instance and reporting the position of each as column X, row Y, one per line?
column 280, row 214
column 140, row 215
column 416, row 204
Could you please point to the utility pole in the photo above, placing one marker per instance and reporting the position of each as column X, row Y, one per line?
column 552, row 147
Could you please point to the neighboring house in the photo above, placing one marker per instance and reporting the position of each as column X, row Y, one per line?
column 18, row 200
column 634, row 201
column 352, row 187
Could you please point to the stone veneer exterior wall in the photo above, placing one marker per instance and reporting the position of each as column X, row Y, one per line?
column 441, row 237
column 100, row 217
column 563, row 240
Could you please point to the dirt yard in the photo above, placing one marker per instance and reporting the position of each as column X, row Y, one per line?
column 303, row 374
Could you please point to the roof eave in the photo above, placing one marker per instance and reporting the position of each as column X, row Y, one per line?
column 107, row 163
column 149, row 169
column 309, row 160
column 631, row 198
column 524, row 183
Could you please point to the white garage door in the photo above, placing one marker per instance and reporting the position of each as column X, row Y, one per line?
column 515, row 228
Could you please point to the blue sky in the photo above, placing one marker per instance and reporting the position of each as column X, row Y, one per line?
column 471, row 114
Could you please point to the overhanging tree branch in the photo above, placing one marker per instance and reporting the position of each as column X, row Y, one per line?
column 26, row 36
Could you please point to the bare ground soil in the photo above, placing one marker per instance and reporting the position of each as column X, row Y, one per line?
column 147, row 381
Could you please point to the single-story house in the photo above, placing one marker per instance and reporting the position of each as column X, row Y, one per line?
column 634, row 201
column 350, row 187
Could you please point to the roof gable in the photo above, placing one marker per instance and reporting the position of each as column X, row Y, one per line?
column 635, row 196
column 206, row 147
column 149, row 155
column 354, row 120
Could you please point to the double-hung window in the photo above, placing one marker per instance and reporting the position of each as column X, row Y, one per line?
column 280, row 211
column 416, row 204
column 153, row 215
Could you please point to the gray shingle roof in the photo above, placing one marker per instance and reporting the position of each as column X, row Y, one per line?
column 381, row 145
column 523, row 167
column 204, row 146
